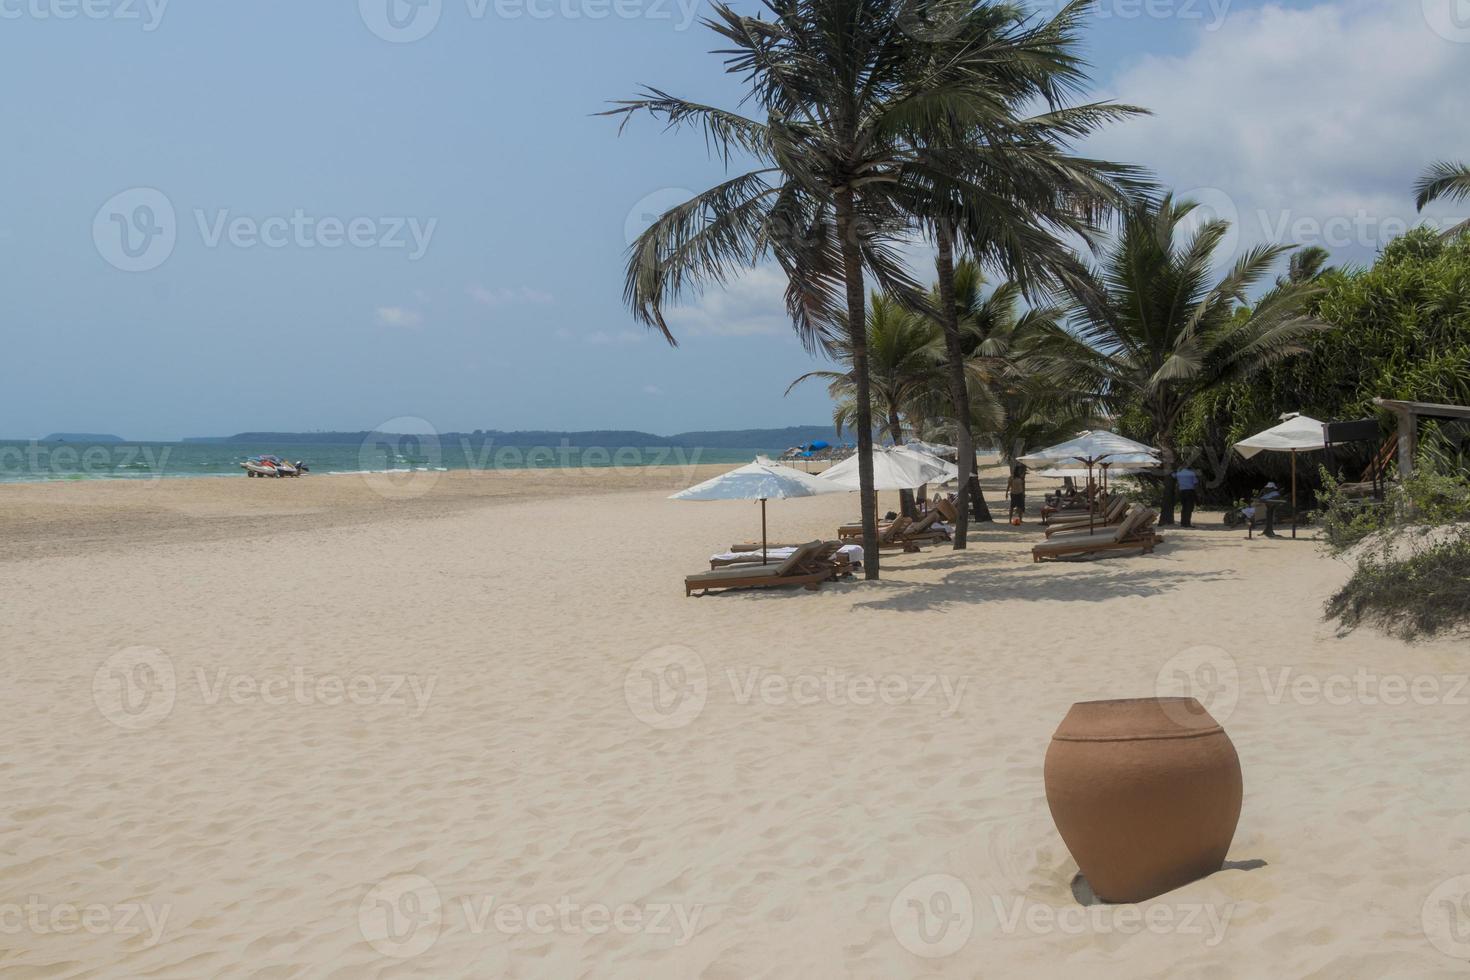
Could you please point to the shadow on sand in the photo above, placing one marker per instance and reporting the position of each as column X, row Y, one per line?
column 1082, row 891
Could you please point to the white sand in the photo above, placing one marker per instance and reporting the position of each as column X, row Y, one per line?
column 757, row 836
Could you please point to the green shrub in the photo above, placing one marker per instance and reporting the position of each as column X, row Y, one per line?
column 1422, row 595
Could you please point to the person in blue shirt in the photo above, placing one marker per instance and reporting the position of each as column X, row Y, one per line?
column 1188, row 481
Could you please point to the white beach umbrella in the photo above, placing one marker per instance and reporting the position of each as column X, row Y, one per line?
column 1092, row 449
column 761, row 480
column 930, row 448
column 1297, row 433
column 895, row 468
column 1095, row 448
column 1058, row 472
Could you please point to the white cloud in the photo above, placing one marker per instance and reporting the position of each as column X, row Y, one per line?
column 602, row 338
column 1311, row 124
column 503, row 296
column 652, row 390
column 751, row 305
column 398, row 316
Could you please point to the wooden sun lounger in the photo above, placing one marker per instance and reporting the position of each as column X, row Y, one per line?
column 752, row 556
column 1136, row 531
column 801, row 568
column 1110, row 518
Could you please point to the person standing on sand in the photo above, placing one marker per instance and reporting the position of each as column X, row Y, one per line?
column 1016, row 489
column 1188, row 481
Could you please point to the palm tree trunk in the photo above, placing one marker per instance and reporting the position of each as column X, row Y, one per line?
column 857, row 331
column 1169, row 454
column 905, row 497
column 959, row 396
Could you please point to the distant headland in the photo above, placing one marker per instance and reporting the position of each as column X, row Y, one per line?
column 91, row 437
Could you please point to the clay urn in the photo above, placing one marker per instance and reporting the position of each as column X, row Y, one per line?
column 1145, row 792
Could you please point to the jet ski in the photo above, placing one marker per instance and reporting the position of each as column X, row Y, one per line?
column 260, row 466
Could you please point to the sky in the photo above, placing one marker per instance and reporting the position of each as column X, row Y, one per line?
column 279, row 215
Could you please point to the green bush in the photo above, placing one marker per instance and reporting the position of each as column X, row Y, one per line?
column 1422, row 595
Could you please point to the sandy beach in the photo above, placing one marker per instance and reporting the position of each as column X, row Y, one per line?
column 473, row 727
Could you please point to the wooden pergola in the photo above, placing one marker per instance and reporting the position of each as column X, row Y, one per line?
column 1408, row 415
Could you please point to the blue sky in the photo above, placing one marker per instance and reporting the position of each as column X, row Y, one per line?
column 480, row 212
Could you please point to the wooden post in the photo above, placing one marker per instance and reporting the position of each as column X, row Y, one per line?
column 1293, row 494
column 764, row 549
column 1406, row 443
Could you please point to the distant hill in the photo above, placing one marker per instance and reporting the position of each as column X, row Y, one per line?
column 772, row 439
column 81, row 437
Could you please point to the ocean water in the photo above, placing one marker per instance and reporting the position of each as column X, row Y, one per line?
column 34, row 462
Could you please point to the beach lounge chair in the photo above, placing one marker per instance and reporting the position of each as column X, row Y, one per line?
column 831, row 552
column 802, row 568
column 1136, row 531
column 1109, row 518
column 946, row 509
column 886, row 532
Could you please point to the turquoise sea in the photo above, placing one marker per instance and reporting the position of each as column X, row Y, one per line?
column 33, row 462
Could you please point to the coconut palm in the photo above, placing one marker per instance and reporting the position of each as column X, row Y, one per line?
column 858, row 127
column 1152, row 327
column 905, row 367
column 1024, row 189
column 1448, row 181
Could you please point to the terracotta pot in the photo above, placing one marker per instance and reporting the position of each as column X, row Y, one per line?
column 1145, row 792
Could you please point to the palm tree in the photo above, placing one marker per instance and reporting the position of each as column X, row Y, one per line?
column 862, row 129
column 1153, row 328
column 1307, row 265
column 905, row 364
column 1450, row 181
column 835, row 81
column 1023, row 190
